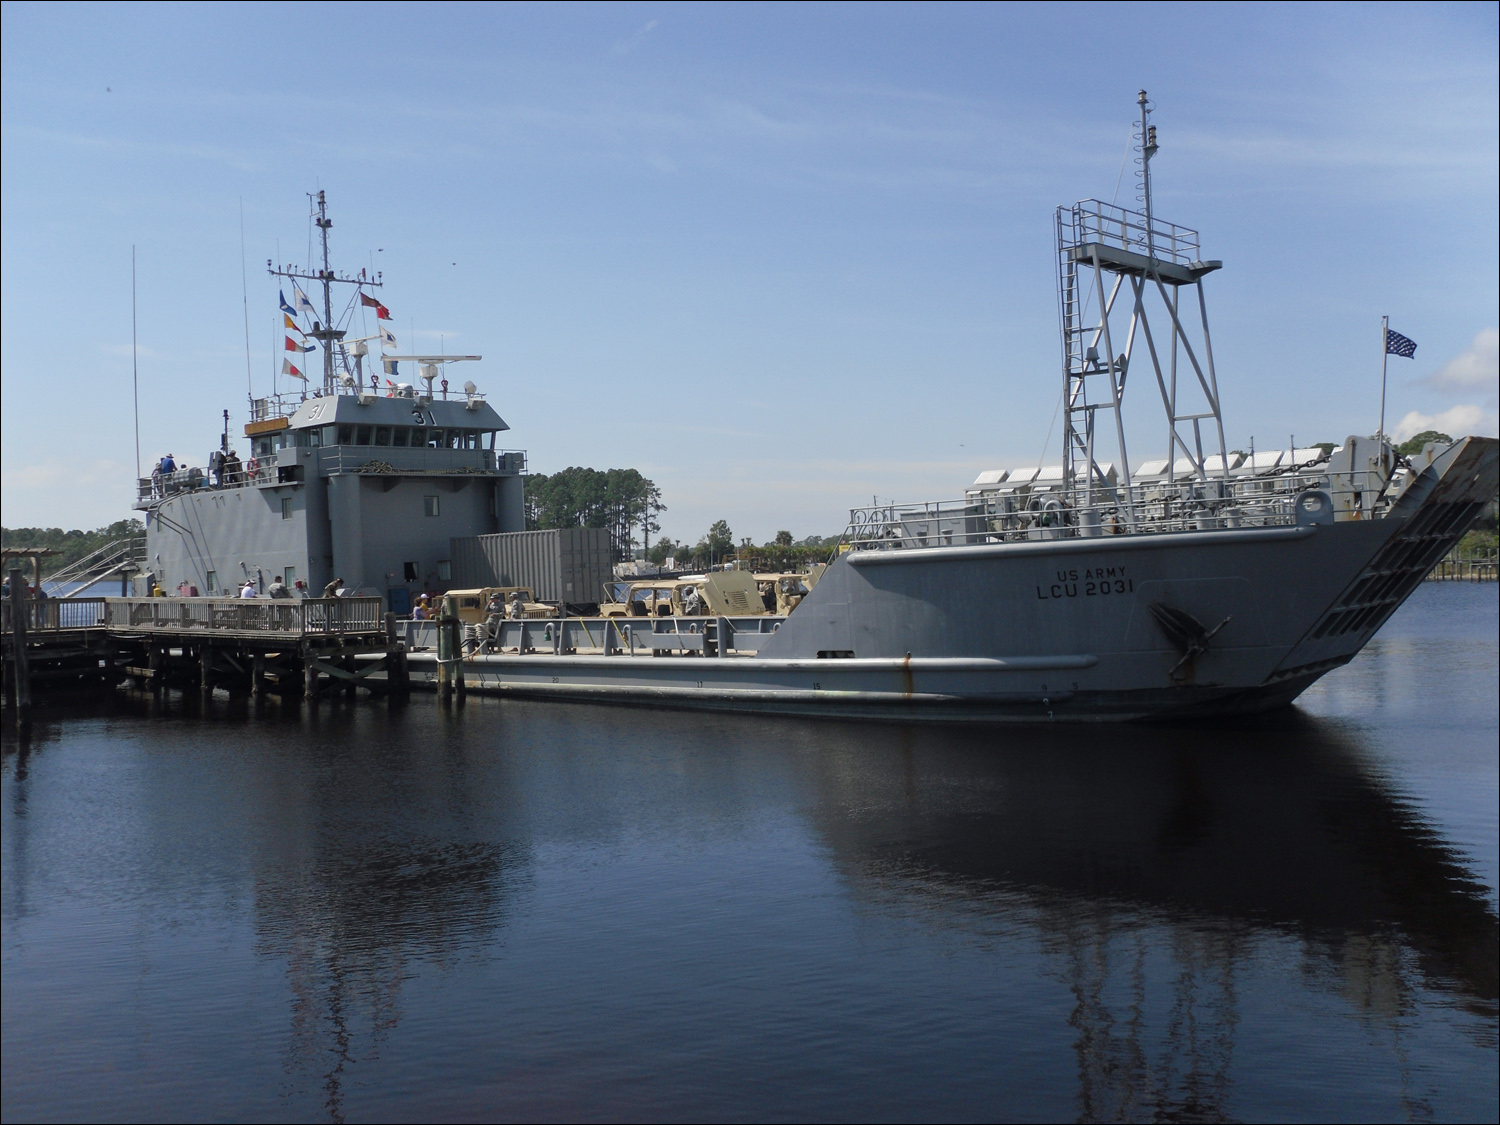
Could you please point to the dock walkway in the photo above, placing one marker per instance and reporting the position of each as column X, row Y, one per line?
column 253, row 644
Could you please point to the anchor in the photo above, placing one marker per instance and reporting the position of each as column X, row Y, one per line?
column 1185, row 631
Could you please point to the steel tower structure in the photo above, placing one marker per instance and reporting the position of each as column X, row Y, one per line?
column 1105, row 252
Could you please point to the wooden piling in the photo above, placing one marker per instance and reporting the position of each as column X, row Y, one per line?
column 445, row 652
column 20, row 669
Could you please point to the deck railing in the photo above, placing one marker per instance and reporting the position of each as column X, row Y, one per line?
column 1034, row 512
column 298, row 617
column 52, row 615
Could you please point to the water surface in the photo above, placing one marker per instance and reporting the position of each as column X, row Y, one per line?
column 522, row 910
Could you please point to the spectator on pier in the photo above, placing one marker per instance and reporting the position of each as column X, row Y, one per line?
column 248, row 589
column 421, row 613
column 334, row 589
column 279, row 588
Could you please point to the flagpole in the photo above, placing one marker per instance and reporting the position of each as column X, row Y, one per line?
column 135, row 368
column 245, row 301
column 1385, row 353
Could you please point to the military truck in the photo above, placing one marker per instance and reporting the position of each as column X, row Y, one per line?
column 724, row 593
column 782, row 593
column 473, row 604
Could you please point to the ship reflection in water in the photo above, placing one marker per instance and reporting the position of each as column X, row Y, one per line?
column 528, row 910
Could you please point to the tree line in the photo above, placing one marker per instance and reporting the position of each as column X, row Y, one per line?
column 618, row 499
column 718, row 546
column 70, row 545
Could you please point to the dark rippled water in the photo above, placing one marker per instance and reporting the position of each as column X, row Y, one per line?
column 525, row 910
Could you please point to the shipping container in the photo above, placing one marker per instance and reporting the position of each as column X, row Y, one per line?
column 566, row 564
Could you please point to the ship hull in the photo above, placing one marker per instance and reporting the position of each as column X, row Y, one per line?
column 1067, row 629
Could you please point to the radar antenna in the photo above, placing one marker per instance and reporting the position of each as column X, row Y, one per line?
column 1104, row 252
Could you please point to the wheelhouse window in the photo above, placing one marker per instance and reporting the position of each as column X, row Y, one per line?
column 362, row 435
column 382, row 435
column 399, row 435
column 346, row 435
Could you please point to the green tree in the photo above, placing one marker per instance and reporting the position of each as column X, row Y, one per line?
column 70, row 545
column 1417, row 443
column 719, row 541
column 665, row 549
column 620, row 500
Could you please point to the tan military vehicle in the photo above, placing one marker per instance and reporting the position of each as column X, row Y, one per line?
column 782, row 593
column 724, row 593
column 474, row 606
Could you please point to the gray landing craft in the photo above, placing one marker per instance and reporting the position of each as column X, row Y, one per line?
column 1205, row 582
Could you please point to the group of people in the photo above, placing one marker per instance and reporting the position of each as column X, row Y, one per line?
column 279, row 589
column 225, row 470
column 27, row 590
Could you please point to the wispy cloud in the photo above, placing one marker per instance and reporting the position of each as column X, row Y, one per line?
column 1459, row 421
column 1476, row 368
column 625, row 46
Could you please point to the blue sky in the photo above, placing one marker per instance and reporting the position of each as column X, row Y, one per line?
column 779, row 258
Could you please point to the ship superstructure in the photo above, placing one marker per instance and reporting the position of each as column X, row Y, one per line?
column 364, row 478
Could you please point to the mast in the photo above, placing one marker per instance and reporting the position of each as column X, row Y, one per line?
column 323, row 330
column 324, row 222
column 1148, row 150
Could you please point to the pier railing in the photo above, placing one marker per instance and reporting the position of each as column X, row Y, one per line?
column 53, row 615
column 294, row 617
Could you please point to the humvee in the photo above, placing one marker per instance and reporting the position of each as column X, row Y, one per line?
column 782, row 593
column 472, row 604
column 724, row 593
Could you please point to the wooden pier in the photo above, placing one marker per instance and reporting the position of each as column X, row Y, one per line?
column 291, row 646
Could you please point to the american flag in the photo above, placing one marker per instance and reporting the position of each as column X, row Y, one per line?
column 1397, row 344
